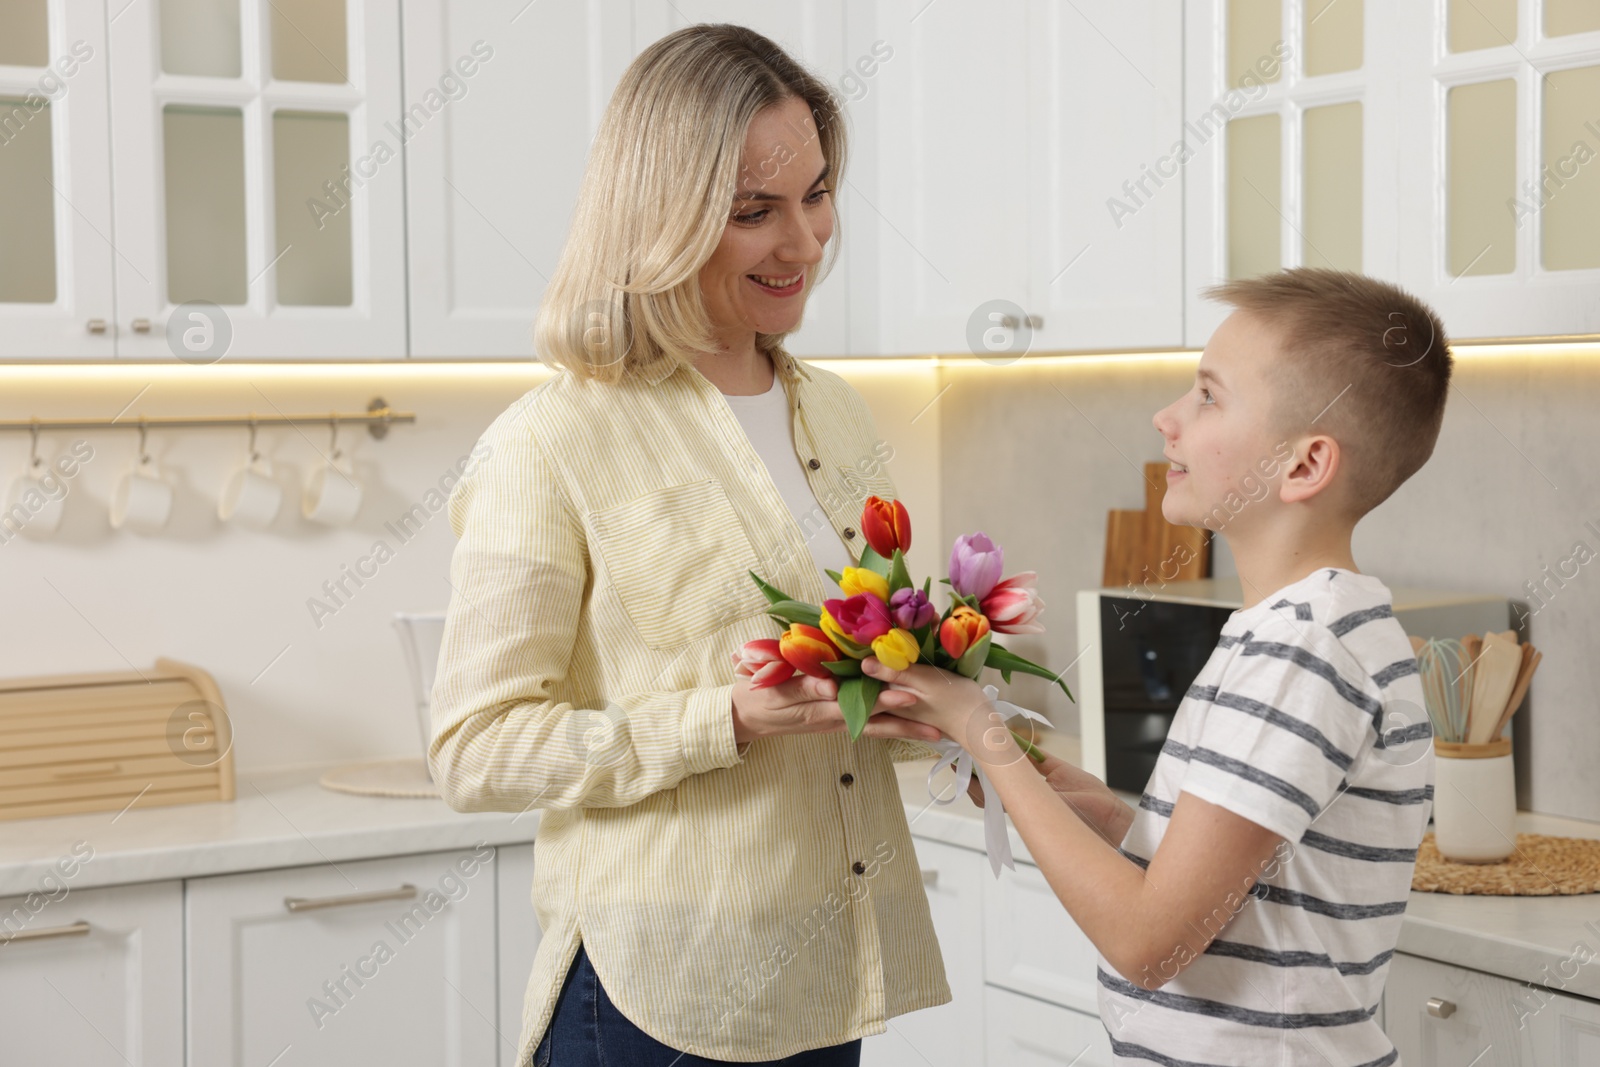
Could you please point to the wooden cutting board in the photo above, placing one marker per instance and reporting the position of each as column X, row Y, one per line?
column 1143, row 548
column 96, row 742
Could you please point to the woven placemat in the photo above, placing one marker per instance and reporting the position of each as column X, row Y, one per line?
column 381, row 778
column 1541, row 866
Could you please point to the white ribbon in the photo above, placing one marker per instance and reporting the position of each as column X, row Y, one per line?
column 995, row 840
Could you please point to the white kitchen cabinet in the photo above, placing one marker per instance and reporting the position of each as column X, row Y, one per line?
column 1024, row 1032
column 56, row 297
column 1005, row 131
column 1105, row 198
column 375, row 961
column 517, row 936
column 492, row 177
column 1032, row 946
column 950, row 1035
column 1438, row 1014
column 95, row 977
column 258, row 179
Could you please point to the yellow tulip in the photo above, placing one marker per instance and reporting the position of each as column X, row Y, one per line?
column 896, row 649
column 857, row 580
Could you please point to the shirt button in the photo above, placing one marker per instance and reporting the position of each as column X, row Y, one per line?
column 859, row 867
column 813, row 464
column 846, row 779
column 849, row 533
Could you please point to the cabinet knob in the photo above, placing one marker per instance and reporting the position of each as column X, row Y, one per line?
column 1440, row 1008
column 1035, row 321
column 930, row 876
column 97, row 325
column 1009, row 322
column 141, row 325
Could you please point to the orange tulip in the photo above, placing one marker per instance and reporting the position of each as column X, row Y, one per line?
column 808, row 648
column 886, row 525
column 963, row 629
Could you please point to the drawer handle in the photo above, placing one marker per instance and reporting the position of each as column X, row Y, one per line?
column 1440, row 1008
column 930, row 876
column 77, row 929
column 405, row 892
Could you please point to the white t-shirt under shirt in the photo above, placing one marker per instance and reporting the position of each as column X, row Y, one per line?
column 1308, row 719
column 765, row 419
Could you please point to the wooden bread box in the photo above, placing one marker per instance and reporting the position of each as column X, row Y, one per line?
column 99, row 742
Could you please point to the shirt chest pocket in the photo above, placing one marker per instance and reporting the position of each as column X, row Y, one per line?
column 677, row 559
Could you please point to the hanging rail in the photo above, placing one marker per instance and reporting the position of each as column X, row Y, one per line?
column 377, row 418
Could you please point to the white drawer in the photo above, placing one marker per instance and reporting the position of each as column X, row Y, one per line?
column 1031, row 944
column 1024, row 1032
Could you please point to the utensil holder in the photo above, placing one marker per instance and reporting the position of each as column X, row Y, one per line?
column 1474, row 801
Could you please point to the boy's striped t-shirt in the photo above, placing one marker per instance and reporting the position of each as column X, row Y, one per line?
column 1308, row 720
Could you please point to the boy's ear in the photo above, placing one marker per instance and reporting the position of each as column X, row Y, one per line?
column 1312, row 470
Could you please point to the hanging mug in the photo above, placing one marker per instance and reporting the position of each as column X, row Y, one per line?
column 37, row 497
column 142, row 500
column 332, row 492
column 251, row 496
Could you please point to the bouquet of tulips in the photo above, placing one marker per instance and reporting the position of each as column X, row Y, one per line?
column 882, row 613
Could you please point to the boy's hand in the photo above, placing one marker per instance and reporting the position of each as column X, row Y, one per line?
column 1081, row 791
column 954, row 704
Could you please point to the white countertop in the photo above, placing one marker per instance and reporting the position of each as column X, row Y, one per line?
column 279, row 819
column 285, row 819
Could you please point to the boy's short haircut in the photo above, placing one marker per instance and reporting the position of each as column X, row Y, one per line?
column 1362, row 361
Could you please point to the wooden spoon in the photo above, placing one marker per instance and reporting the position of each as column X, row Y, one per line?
column 1492, row 683
column 1530, row 663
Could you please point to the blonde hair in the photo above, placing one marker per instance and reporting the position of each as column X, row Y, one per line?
column 625, row 298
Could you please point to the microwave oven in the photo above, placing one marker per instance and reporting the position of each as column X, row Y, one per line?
column 1146, row 647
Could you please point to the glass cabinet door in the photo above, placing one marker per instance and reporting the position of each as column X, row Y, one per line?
column 55, row 232
column 1291, row 128
column 258, row 178
column 1501, row 226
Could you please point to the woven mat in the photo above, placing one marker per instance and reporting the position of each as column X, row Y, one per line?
column 381, row 778
column 1540, row 867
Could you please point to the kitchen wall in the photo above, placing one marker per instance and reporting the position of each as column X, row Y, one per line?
column 1033, row 453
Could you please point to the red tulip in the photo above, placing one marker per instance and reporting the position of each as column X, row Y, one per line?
column 886, row 525
column 808, row 648
column 763, row 663
column 963, row 629
column 1013, row 606
column 863, row 618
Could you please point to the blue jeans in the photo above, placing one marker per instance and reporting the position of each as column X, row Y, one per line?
column 587, row 1030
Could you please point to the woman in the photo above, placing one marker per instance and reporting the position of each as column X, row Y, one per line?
column 722, row 875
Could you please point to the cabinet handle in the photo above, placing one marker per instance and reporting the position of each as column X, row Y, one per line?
column 77, row 929
column 930, row 876
column 1035, row 321
column 405, row 892
column 1440, row 1008
column 141, row 325
column 1009, row 322
column 97, row 325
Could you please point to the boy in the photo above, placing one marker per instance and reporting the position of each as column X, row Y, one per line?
column 1246, row 912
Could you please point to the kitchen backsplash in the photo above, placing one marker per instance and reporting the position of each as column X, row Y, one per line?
column 294, row 622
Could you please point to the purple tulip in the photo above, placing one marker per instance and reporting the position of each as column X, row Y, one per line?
column 911, row 610
column 975, row 565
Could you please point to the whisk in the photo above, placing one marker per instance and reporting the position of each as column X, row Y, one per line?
column 1447, row 675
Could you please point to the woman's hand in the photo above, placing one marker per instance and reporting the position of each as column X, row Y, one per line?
column 807, row 705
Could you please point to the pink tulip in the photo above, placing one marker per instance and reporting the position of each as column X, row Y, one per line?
column 1014, row 605
column 863, row 618
column 763, row 663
